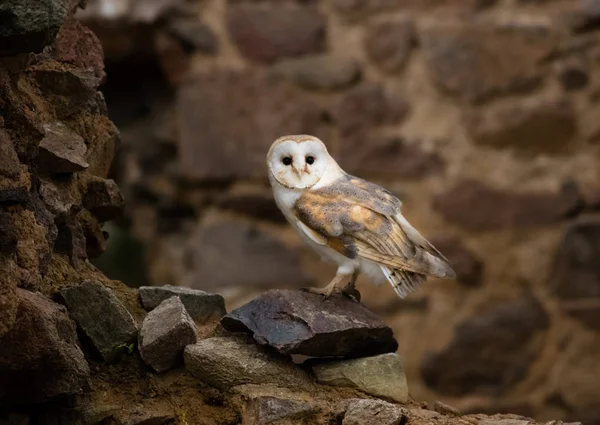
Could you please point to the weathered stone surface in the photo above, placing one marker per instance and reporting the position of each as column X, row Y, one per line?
column 272, row 410
column 201, row 306
column 531, row 125
column 69, row 90
column 9, row 162
column 214, row 249
column 262, row 108
column 498, row 209
column 70, row 240
column 367, row 106
column 193, row 34
column 575, row 277
column 28, row 26
column 373, row 412
column 387, row 156
column 268, row 33
column 61, row 150
column 490, row 352
column 470, row 60
column 297, row 322
column 320, row 72
column 227, row 362
column 8, row 235
column 352, row 9
column 40, row 358
column 389, row 43
column 444, row 409
column 468, row 266
column 78, row 45
column 382, row 376
column 59, row 196
column 165, row 332
column 89, row 301
column 104, row 199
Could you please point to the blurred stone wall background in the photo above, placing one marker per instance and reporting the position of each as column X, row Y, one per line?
column 481, row 115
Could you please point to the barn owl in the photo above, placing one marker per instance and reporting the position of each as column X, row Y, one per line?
column 354, row 223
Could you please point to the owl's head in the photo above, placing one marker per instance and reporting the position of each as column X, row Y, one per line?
column 297, row 162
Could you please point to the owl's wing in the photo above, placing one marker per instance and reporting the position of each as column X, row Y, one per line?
column 360, row 219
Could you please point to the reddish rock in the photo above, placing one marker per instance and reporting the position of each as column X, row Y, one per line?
column 267, row 33
column 530, row 125
column 471, row 61
column 390, row 157
column 297, row 322
column 468, row 267
column 389, row 43
column 575, row 276
column 68, row 90
column 40, row 358
column 61, row 150
column 103, row 199
column 229, row 119
column 78, row 45
column 498, row 209
column 490, row 352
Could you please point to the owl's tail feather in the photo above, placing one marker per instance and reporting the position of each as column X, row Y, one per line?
column 403, row 282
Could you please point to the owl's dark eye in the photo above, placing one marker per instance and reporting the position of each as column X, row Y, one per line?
column 287, row 160
column 310, row 160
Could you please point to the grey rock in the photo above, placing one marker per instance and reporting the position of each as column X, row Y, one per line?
column 165, row 332
column 29, row 25
column 272, row 410
column 101, row 316
column 40, row 359
column 297, row 322
column 373, row 412
column 321, row 72
column 61, row 150
column 444, row 409
column 381, row 376
column 227, row 362
column 201, row 306
column 104, row 199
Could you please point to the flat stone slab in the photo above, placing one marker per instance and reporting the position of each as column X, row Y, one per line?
column 373, row 412
column 225, row 362
column 99, row 313
column 202, row 306
column 297, row 322
column 381, row 376
column 165, row 332
column 273, row 410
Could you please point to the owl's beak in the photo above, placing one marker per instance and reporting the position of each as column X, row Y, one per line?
column 296, row 171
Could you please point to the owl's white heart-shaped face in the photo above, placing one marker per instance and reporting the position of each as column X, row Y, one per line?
column 298, row 162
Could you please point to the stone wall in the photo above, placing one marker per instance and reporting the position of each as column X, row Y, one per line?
column 480, row 115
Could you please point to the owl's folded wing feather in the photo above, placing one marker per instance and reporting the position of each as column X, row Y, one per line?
column 367, row 223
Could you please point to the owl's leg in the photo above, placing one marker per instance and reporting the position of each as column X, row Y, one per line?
column 329, row 289
column 350, row 288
